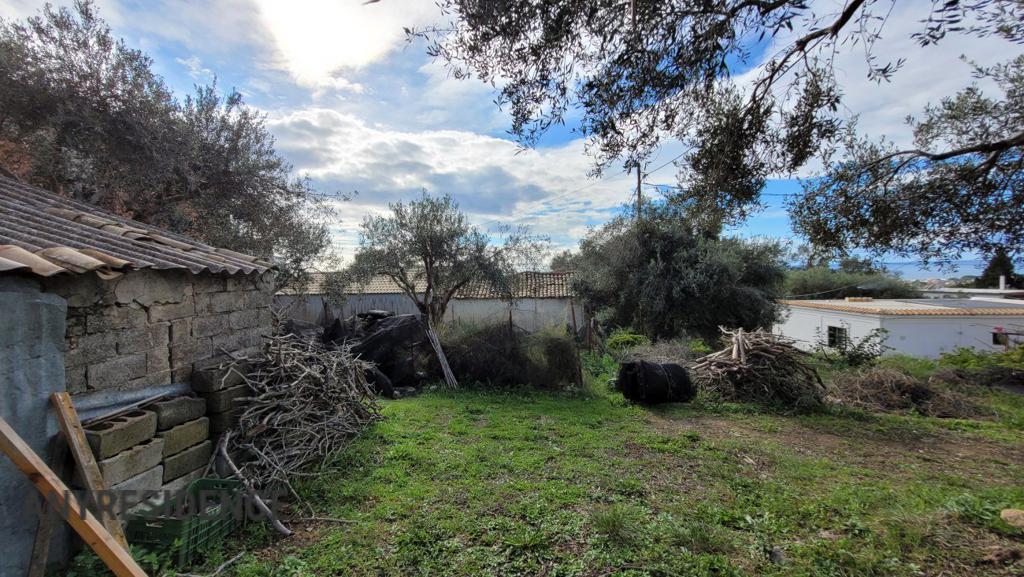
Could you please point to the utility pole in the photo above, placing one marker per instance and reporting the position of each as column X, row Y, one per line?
column 639, row 194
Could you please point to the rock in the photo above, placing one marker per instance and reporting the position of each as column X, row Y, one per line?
column 1002, row 556
column 776, row 556
column 1013, row 517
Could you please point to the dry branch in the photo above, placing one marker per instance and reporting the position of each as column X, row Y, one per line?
column 308, row 402
column 761, row 367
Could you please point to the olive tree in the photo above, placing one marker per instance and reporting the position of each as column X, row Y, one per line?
column 430, row 250
column 665, row 280
column 85, row 115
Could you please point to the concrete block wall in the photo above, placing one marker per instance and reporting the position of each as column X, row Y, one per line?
column 164, row 445
column 152, row 327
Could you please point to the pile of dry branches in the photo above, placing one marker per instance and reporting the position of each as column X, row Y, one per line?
column 308, row 401
column 761, row 367
column 886, row 390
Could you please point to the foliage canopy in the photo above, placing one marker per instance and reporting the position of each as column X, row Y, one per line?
column 84, row 115
column 640, row 72
column 429, row 249
column 822, row 282
column 663, row 280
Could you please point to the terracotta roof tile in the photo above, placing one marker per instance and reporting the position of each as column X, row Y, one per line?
column 47, row 234
column 912, row 307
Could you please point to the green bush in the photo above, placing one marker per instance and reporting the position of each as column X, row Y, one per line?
column 621, row 340
column 599, row 369
column 971, row 359
column 699, row 347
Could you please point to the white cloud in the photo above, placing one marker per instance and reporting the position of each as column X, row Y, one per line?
column 317, row 38
column 492, row 178
column 195, row 67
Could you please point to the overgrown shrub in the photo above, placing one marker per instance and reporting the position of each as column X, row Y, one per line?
column 968, row 358
column 503, row 355
column 599, row 369
column 621, row 340
column 887, row 390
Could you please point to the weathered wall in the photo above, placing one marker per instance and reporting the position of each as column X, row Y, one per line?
column 152, row 327
column 31, row 367
column 530, row 314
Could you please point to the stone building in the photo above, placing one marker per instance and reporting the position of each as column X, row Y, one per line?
column 117, row 312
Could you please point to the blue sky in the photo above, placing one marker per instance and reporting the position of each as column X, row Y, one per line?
column 356, row 108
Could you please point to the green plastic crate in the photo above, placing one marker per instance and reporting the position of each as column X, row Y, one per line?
column 184, row 536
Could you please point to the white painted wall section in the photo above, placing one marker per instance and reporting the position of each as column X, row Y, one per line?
column 807, row 326
column 920, row 336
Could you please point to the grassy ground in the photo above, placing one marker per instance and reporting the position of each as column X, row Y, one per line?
column 540, row 484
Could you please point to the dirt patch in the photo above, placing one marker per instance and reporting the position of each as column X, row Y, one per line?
column 884, row 454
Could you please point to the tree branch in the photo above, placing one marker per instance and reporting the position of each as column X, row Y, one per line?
column 990, row 148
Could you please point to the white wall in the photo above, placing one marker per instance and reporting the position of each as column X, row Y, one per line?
column 530, row 314
column 918, row 336
column 930, row 336
column 808, row 326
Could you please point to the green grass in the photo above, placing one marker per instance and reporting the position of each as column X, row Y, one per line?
column 476, row 483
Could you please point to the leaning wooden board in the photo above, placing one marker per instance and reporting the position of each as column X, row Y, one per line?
column 95, row 535
column 49, row 519
column 75, row 434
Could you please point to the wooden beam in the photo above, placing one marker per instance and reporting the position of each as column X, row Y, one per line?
column 48, row 518
column 95, row 535
column 80, row 450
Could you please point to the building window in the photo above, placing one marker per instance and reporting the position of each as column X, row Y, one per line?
column 1001, row 339
column 837, row 336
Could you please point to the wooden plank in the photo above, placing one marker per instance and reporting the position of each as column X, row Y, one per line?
column 60, row 498
column 446, row 370
column 80, row 450
column 48, row 518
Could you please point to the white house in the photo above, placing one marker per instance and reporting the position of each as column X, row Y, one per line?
column 543, row 299
column 919, row 327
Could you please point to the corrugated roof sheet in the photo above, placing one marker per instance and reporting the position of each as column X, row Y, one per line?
column 48, row 234
column 915, row 307
column 537, row 285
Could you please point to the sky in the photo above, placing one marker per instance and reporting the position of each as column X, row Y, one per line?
column 357, row 108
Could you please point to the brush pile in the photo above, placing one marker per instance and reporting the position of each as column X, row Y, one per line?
column 885, row 390
column 760, row 367
column 308, row 402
